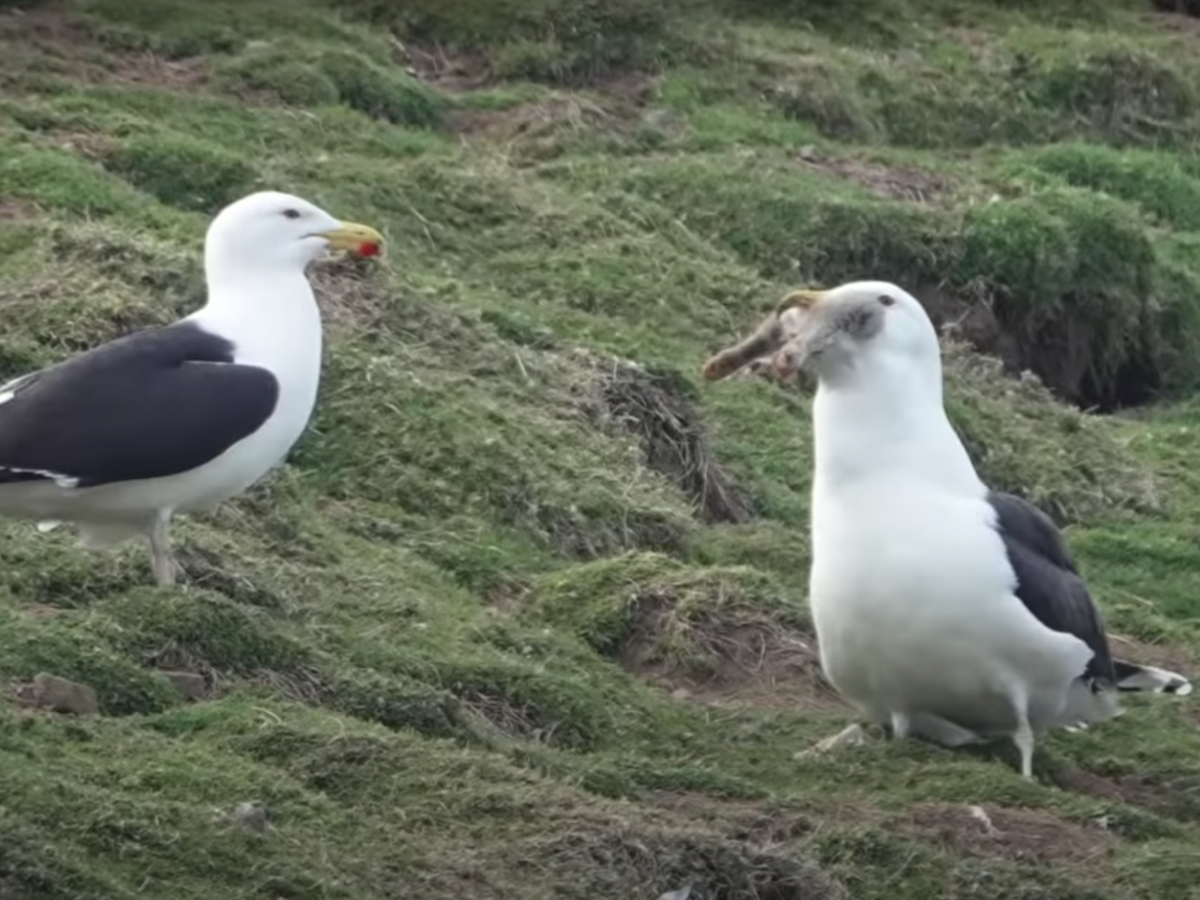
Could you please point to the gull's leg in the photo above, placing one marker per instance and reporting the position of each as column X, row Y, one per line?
column 941, row 731
column 1023, row 738
column 161, row 560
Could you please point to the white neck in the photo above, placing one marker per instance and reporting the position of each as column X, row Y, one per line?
column 909, row 431
column 269, row 312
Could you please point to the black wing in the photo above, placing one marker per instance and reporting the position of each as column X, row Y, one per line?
column 150, row 404
column 1047, row 580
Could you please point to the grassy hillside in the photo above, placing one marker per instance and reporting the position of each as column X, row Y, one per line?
column 523, row 616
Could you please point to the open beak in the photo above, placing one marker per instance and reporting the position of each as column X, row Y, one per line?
column 768, row 342
column 361, row 240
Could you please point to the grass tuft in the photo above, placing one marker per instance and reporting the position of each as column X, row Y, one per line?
column 183, row 172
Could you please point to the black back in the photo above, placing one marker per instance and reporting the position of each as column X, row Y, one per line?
column 1047, row 580
column 151, row 404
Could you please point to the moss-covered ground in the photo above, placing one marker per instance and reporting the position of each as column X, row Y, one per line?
column 523, row 616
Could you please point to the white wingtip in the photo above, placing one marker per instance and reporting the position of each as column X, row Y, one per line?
column 1159, row 681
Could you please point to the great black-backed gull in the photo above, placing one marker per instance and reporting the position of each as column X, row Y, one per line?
column 942, row 608
column 119, row 438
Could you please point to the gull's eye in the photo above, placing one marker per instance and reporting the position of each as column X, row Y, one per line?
column 291, row 213
column 886, row 300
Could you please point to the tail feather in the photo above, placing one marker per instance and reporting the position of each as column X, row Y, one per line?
column 1131, row 677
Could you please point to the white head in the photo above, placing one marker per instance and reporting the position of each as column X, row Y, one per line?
column 879, row 404
column 861, row 329
column 270, row 230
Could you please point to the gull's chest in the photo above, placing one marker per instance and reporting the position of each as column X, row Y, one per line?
column 897, row 555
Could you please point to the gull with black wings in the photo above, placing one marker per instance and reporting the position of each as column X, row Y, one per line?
column 118, row 439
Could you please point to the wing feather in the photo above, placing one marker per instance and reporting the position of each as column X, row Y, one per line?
column 1048, row 582
column 151, row 404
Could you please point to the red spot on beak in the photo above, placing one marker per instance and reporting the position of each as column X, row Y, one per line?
column 368, row 249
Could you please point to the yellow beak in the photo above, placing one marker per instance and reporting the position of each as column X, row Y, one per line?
column 361, row 239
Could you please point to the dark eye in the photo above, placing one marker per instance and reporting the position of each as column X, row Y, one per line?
column 886, row 300
column 291, row 213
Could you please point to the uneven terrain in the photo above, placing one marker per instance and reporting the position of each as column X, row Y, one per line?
column 524, row 614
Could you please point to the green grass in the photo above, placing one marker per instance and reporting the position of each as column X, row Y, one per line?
column 523, row 616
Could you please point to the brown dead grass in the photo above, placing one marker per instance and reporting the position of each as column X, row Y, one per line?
column 647, row 856
column 146, row 68
column 529, row 122
column 14, row 210
column 96, row 147
column 732, row 658
column 541, row 129
column 1020, row 835
column 1175, row 657
column 506, row 716
column 49, row 35
column 673, row 439
column 352, row 302
column 898, row 182
column 1134, row 790
column 751, row 820
column 1176, row 15
column 451, row 71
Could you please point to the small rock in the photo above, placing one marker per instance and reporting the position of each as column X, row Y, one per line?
column 252, row 815
column 809, row 153
column 63, row 696
column 682, row 894
column 190, row 684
